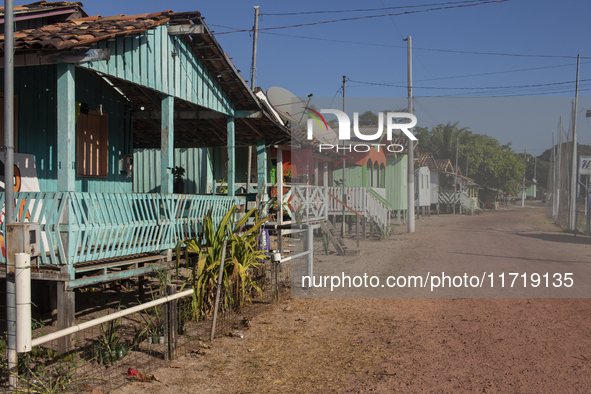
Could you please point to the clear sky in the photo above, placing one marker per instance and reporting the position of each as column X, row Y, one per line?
column 371, row 53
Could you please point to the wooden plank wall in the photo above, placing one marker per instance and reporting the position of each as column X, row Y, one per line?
column 164, row 63
column 396, row 189
column 36, row 89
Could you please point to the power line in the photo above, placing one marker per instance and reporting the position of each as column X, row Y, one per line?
column 234, row 30
column 521, row 94
column 363, row 9
column 473, row 88
column 363, row 17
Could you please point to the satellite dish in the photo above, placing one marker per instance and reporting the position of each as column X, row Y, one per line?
column 323, row 135
column 287, row 104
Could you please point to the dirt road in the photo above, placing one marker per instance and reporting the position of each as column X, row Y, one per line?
column 416, row 345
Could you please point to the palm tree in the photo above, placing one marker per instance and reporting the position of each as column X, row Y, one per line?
column 445, row 139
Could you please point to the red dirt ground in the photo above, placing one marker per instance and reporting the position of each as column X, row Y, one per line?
column 415, row 345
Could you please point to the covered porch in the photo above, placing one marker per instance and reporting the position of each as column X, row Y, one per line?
column 157, row 81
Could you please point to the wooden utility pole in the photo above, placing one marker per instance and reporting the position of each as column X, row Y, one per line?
column 253, row 74
column 574, row 185
column 411, row 168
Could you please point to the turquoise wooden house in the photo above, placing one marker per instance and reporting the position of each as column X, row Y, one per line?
column 88, row 93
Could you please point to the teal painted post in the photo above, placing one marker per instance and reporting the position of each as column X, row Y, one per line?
column 167, row 144
column 262, row 168
column 66, row 128
column 231, row 157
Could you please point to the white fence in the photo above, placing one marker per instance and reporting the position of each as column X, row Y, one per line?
column 368, row 202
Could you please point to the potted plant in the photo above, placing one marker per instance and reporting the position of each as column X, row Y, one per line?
column 287, row 175
column 179, row 179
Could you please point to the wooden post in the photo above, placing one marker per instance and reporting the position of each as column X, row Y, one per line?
column 65, row 314
column 357, row 229
column 316, row 173
column 140, row 288
column 66, row 176
column 262, row 170
column 279, row 198
column 167, row 144
column 231, row 157
column 172, row 323
column 66, row 128
column 363, row 195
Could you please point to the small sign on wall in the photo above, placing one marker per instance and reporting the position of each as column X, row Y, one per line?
column 584, row 165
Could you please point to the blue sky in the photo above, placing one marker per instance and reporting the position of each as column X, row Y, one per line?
column 556, row 30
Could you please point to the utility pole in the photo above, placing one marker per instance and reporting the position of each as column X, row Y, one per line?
column 558, row 175
column 553, row 160
column 252, row 78
column 456, row 177
column 344, row 161
column 467, row 157
column 255, row 37
column 574, row 183
column 523, row 186
column 9, row 187
column 411, row 167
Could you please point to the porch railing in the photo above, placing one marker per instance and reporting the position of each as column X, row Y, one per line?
column 306, row 203
column 368, row 202
column 81, row 227
column 378, row 208
column 457, row 198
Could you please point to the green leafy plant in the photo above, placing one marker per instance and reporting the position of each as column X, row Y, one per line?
column 242, row 256
column 151, row 321
column 246, row 258
column 179, row 174
column 60, row 379
column 223, row 187
column 111, row 334
column 383, row 232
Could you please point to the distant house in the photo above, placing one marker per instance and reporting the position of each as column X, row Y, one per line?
column 531, row 188
column 453, row 184
column 426, row 180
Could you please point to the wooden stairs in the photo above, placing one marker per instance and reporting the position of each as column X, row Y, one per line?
column 337, row 241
